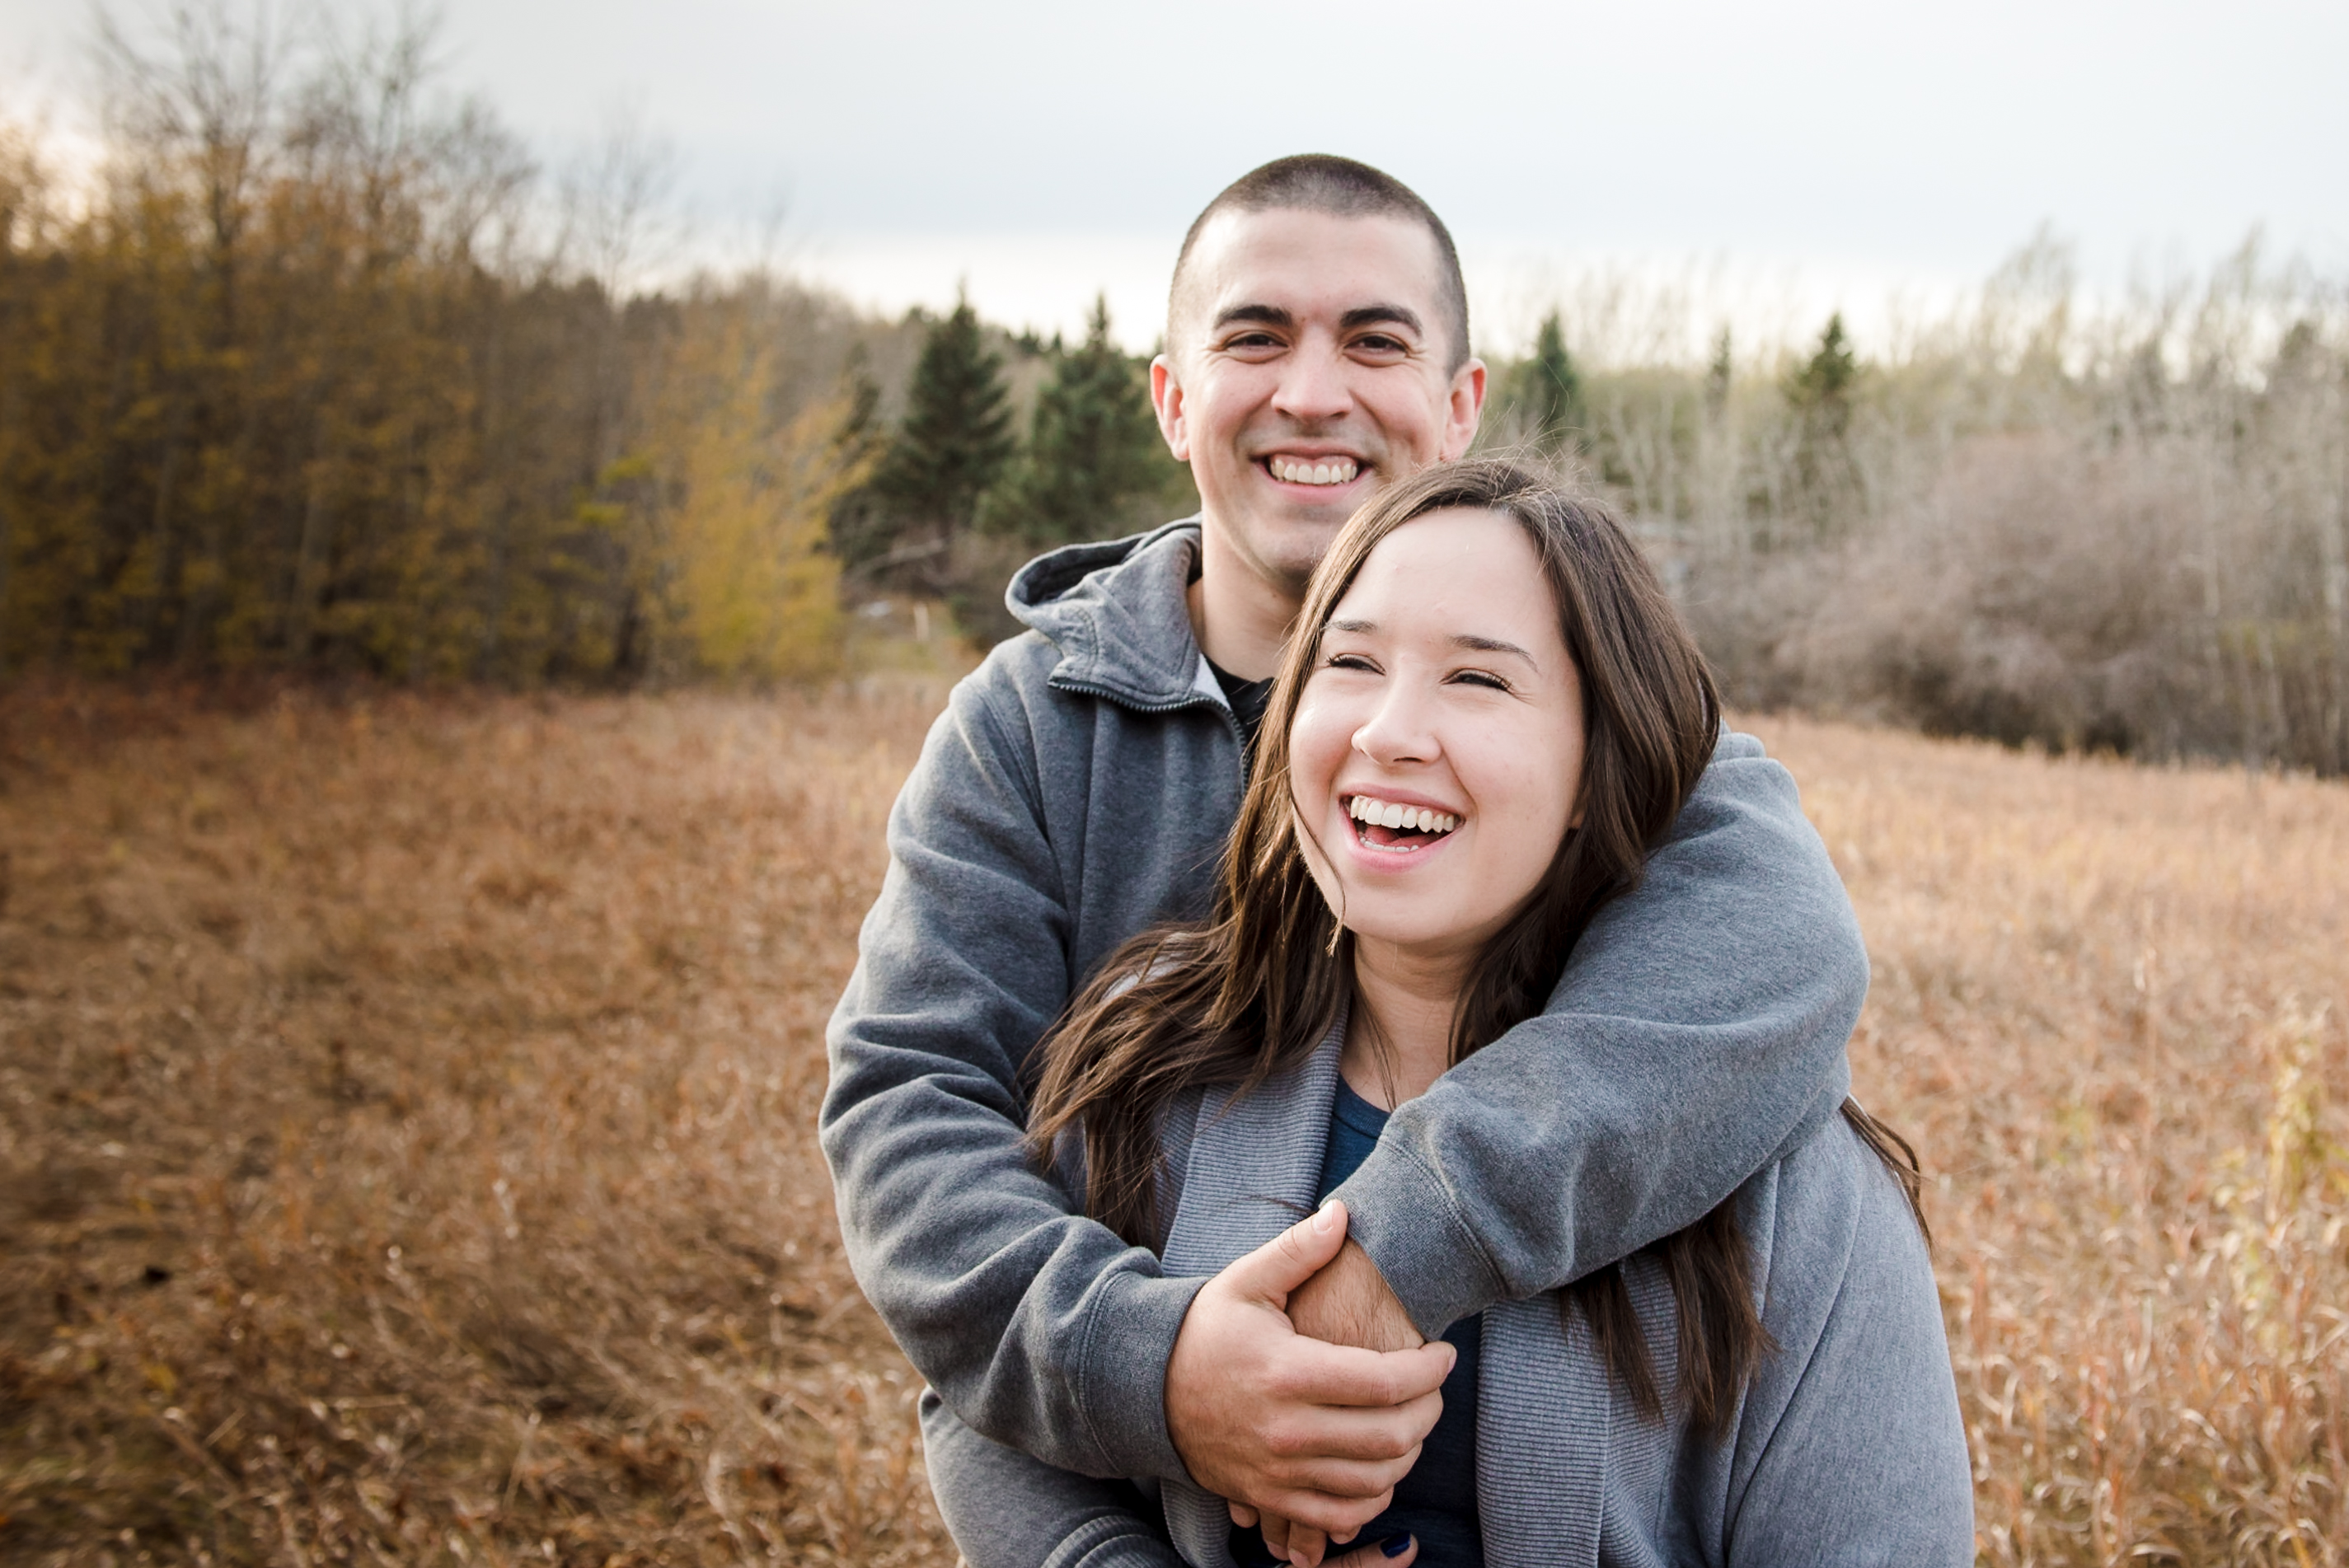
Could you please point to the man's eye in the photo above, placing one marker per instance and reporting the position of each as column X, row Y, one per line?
column 1381, row 343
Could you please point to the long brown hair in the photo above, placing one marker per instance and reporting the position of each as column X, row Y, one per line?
column 1251, row 991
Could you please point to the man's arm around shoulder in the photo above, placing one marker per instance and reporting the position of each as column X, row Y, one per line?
column 1697, row 1035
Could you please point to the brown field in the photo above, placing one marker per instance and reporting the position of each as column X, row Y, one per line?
column 406, row 1119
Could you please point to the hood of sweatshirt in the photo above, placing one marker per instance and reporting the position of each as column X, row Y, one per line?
column 1119, row 612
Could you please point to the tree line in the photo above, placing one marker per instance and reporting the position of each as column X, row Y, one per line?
column 2118, row 525
column 324, row 374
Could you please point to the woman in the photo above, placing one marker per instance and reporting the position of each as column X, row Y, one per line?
column 1490, row 715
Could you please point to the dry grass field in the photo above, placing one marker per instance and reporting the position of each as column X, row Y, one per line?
column 406, row 1119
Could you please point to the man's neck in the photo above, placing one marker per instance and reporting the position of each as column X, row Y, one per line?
column 1241, row 620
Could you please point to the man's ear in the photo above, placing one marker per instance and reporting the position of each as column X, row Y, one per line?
column 1464, row 409
column 1166, row 400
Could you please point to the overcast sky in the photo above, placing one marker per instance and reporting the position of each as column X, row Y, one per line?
column 1044, row 149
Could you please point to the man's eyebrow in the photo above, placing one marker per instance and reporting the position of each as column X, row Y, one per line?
column 1377, row 315
column 1262, row 314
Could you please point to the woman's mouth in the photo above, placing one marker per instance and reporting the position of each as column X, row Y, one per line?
column 1395, row 827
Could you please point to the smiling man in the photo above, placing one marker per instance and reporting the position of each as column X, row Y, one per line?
column 1078, row 790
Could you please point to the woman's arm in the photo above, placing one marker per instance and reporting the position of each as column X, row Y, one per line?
column 1006, row 1510
column 1851, row 1448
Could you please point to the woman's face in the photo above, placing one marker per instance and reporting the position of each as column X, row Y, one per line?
column 1443, row 700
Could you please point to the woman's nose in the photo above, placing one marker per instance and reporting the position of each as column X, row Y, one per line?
column 1399, row 729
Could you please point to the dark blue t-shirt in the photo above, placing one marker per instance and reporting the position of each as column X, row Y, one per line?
column 1437, row 1500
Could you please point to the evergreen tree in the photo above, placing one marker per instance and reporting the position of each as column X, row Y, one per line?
column 1549, row 390
column 860, row 526
column 1821, row 390
column 1717, row 376
column 1093, row 447
column 1827, row 477
column 957, row 436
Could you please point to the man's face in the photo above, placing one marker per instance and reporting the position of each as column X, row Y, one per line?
column 1307, row 368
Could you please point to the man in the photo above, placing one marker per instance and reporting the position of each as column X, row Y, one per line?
column 1079, row 789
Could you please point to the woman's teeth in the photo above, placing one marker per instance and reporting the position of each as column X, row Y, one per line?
column 1387, row 814
column 1325, row 471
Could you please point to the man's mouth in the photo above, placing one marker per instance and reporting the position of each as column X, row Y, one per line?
column 1312, row 471
column 1389, row 825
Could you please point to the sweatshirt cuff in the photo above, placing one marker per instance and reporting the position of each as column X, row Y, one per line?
column 1401, row 1213
column 1112, row 1542
column 1129, row 1340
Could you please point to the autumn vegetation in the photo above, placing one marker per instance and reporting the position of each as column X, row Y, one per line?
column 407, row 1130
column 321, row 371
column 445, row 736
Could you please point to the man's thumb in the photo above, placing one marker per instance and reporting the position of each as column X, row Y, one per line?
column 1292, row 1257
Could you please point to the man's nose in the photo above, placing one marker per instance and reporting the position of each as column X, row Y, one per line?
column 1313, row 385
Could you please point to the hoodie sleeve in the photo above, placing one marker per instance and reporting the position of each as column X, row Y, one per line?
column 1006, row 1510
column 1697, row 1035
column 1040, row 1327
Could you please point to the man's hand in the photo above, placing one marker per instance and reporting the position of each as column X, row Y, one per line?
column 1314, row 1433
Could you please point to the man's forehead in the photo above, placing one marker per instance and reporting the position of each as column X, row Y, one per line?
column 1303, row 261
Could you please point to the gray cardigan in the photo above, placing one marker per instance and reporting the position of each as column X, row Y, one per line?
column 1847, row 1446
column 1080, row 785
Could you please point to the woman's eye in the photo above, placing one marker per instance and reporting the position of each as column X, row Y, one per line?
column 1348, row 661
column 1480, row 678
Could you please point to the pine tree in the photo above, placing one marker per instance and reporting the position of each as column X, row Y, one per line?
column 861, row 524
column 1718, row 376
column 957, row 436
column 1827, row 477
column 1549, row 390
column 1821, row 390
column 1093, row 447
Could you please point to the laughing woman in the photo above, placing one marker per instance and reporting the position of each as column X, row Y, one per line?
column 1489, row 716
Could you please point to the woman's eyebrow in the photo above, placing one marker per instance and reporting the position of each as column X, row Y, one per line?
column 1491, row 645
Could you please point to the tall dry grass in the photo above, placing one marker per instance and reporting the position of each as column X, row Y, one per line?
column 405, row 1116
column 2108, row 1005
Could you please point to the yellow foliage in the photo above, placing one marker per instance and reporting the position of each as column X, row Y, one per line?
column 745, row 585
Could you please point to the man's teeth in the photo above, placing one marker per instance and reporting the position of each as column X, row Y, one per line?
column 1326, row 471
column 1387, row 814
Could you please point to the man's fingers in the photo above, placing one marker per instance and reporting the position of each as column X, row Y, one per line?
column 1290, row 1258
column 1242, row 1514
column 1304, row 1438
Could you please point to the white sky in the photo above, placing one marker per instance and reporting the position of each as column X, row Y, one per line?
column 1806, row 154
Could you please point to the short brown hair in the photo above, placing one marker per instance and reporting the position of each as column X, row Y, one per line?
column 1340, row 188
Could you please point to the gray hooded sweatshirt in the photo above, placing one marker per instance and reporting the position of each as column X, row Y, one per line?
column 1846, row 1448
column 1079, row 789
